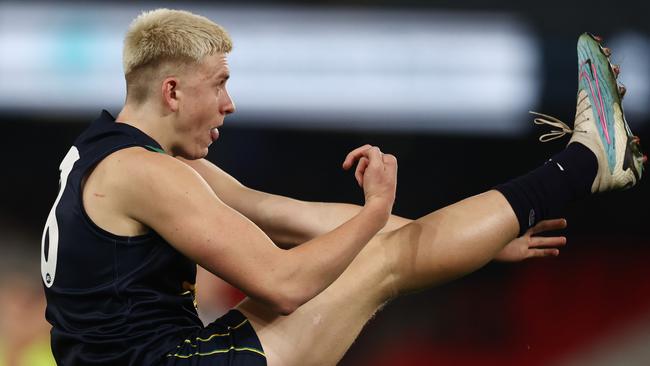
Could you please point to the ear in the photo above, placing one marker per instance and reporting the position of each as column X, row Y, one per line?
column 169, row 93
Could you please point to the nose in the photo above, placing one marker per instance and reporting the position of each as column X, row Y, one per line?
column 228, row 105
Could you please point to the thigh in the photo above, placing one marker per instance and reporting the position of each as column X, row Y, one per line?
column 228, row 341
column 321, row 330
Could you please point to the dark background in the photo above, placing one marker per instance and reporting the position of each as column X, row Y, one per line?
column 538, row 312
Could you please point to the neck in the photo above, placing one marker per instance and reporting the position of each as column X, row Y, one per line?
column 148, row 120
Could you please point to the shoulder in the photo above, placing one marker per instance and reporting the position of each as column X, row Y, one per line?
column 137, row 163
column 126, row 181
column 163, row 194
column 135, row 174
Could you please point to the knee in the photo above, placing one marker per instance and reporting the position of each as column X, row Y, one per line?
column 386, row 254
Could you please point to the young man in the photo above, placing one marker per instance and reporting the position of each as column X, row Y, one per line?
column 139, row 208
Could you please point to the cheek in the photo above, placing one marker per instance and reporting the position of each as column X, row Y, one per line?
column 194, row 116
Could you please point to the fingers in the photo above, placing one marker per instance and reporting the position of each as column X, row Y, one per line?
column 376, row 161
column 389, row 160
column 372, row 153
column 547, row 242
column 369, row 156
column 541, row 246
column 361, row 168
column 548, row 225
column 354, row 155
column 540, row 253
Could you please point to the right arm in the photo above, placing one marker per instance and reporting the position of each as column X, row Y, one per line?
column 288, row 222
column 172, row 199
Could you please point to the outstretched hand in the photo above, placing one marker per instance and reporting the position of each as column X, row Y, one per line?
column 530, row 246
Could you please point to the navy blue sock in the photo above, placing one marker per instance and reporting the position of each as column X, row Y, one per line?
column 545, row 192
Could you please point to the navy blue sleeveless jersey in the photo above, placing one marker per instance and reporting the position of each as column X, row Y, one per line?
column 111, row 300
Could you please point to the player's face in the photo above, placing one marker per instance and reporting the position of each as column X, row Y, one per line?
column 203, row 107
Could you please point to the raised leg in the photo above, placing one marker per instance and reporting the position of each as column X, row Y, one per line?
column 443, row 245
column 461, row 238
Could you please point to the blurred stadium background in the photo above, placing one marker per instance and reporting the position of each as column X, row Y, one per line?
column 445, row 85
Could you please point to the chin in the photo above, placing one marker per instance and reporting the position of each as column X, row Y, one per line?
column 202, row 153
column 193, row 155
column 197, row 156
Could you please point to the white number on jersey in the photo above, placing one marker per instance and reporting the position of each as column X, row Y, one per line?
column 51, row 231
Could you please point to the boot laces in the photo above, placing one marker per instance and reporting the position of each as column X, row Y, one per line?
column 563, row 128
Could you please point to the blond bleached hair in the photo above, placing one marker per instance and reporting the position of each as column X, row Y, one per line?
column 161, row 40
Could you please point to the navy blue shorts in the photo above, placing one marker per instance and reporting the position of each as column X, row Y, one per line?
column 229, row 340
